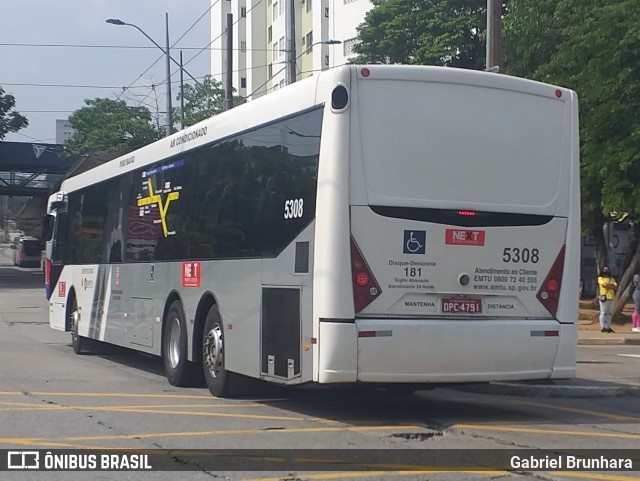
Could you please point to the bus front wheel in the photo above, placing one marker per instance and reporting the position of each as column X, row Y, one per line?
column 176, row 366
column 77, row 341
column 217, row 378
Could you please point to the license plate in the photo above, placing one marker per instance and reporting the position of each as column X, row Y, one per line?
column 462, row 306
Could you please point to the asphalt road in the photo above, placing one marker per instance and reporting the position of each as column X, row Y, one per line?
column 52, row 399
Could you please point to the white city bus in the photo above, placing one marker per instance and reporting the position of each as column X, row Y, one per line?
column 378, row 224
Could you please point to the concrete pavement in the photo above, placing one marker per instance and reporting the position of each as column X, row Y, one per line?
column 621, row 336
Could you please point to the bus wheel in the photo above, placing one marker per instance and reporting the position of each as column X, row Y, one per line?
column 217, row 378
column 77, row 341
column 176, row 366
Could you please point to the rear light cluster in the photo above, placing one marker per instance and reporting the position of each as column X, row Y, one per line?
column 549, row 293
column 365, row 286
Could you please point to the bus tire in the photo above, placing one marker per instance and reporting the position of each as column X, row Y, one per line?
column 77, row 341
column 215, row 375
column 176, row 366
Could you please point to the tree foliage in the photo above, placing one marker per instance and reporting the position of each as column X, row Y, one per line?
column 10, row 120
column 424, row 32
column 592, row 47
column 201, row 101
column 110, row 125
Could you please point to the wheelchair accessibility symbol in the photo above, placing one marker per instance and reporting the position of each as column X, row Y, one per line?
column 415, row 242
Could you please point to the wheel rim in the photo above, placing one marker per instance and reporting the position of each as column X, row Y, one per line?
column 73, row 321
column 174, row 343
column 212, row 350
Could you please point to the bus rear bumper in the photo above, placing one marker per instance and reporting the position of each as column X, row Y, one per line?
column 448, row 351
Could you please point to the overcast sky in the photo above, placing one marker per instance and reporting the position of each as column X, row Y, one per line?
column 104, row 64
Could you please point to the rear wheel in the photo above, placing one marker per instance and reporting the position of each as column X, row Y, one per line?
column 216, row 376
column 177, row 368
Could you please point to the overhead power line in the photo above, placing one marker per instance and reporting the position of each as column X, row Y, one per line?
column 130, row 47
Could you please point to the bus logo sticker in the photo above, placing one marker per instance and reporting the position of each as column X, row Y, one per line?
column 464, row 237
column 152, row 273
column 190, row 274
column 62, row 289
column 415, row 242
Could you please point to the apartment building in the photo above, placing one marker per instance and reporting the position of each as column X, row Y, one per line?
column 64, row 131
column 262, row 43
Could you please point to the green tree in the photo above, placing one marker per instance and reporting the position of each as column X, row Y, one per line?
column 424, row 32
column 10, row 120
column 202, row 101
column 592, row 47
column 110, row 125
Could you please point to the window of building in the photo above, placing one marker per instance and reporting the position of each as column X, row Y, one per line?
column 243, row 82
column 269, row 34
column 276, row 11
column 270, row 70
column 275, row 50
column 309, row 2
column 243, row 11
column 281, row 46
column 243, row 46
column 348, row 45
column 310, row 39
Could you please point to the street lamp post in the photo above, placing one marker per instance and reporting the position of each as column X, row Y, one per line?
column 292, row 63
column 116, row 21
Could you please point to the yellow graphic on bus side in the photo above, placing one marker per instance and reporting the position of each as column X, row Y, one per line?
column 157, row 199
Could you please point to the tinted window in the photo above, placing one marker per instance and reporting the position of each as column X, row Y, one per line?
column 158, row 212
column 117, row 200
column 87, row 212
column 247, row 196
column 254, row 193
column 32, row 247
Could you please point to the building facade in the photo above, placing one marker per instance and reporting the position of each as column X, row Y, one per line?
column 264, row 47
column 64, row 131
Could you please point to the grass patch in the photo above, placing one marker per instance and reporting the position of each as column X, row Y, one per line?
column 586, row 317
column 589, row 305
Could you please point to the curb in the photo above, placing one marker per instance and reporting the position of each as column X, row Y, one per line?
column 553, row 390
column 609, row 341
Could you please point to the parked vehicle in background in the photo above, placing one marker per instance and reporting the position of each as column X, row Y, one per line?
column 27, row 251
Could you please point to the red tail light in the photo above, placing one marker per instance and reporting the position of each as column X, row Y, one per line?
column 47, row 273
column 21, row 256
column 549, row 293
column 365, row 286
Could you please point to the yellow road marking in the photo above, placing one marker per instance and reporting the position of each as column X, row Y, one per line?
column 110, row 394
column 604, row 477
column 14, row 406
column 614, row 417
column 482, row 427
column 362, row 474
column 35, row 440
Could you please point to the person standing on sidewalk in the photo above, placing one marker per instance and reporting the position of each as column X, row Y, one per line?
column 635, row 317
column 607, row 287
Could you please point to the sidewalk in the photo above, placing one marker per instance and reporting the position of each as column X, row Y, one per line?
column 589, row 335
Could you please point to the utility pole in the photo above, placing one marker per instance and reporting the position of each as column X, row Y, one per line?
column 291, row 43
column 494, row 46
column 181, row 94
column 169, row 112
column 228, row 97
